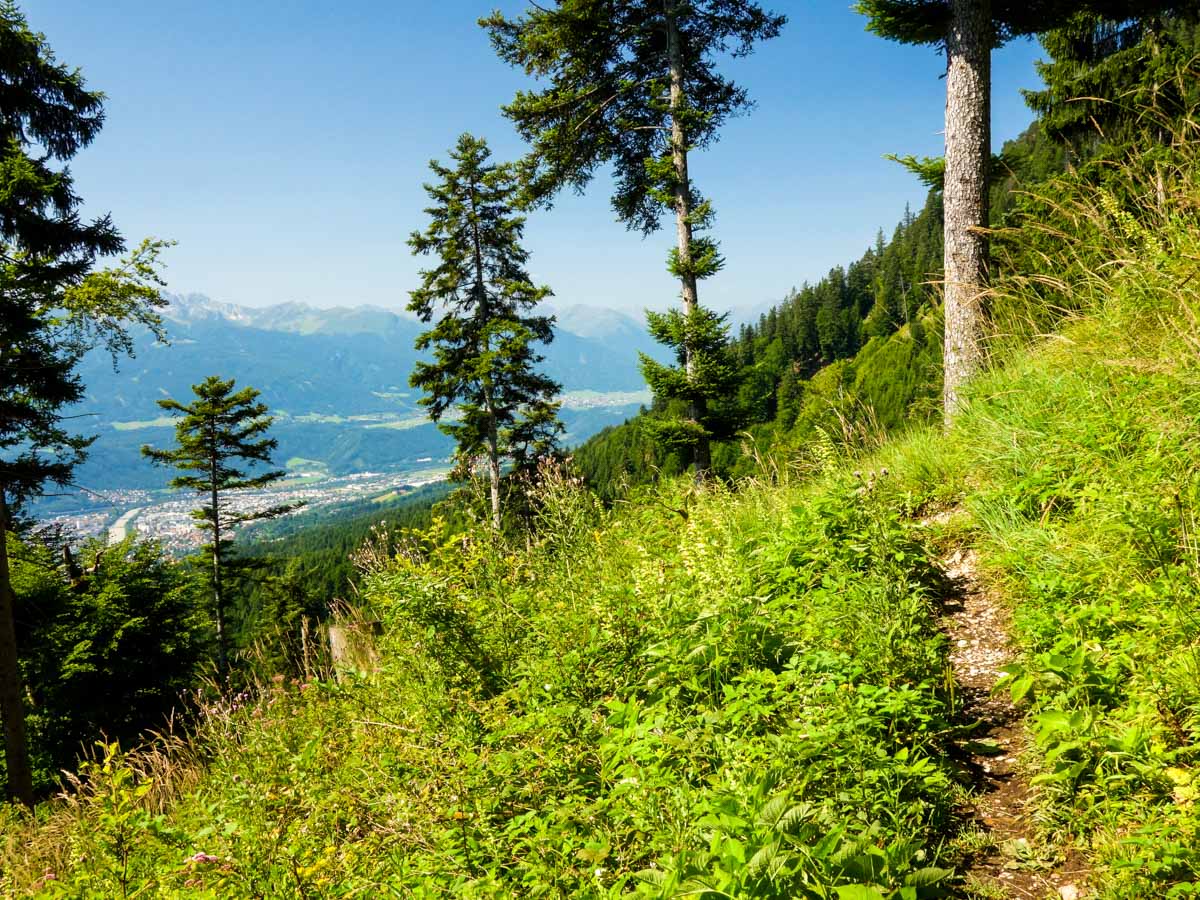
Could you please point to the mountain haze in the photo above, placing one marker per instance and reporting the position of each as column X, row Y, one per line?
column 335, row 378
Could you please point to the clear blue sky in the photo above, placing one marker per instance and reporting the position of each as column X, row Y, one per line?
column 283, row 145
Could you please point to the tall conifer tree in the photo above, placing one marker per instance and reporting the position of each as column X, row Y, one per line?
column 636, row 85
column 480, row 300
column 54, row 306
column 213, row 432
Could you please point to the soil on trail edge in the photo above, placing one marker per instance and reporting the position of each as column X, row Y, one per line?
column 1014, row 865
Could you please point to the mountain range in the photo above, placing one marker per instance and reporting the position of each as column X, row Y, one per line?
column 336, row 379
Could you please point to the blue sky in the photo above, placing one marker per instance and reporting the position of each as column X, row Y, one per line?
column 283, row 145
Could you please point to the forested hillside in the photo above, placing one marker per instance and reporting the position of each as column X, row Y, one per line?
column 836, row 617
column 303, row 565
column 859, row 350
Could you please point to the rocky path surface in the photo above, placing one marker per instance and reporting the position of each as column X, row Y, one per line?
column 1010, row 861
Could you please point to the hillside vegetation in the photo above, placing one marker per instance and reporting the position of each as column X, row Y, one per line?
column 743, row 691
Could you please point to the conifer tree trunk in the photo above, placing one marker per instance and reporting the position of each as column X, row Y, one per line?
column 218, row 592
column 493, row 437
column 965, row 197
column 494, row 473
column 493, row 440
column 12, row 710
column 683, row 212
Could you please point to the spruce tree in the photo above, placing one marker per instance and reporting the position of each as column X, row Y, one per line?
column 636, row 85
column 1102, row 76
column 708, row 388
column 54, row 307
column 482, row 386
column 968, row 31
column 212, row 434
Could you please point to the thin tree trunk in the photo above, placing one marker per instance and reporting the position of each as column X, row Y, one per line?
column 218, row 593
column 12, row 709
column 493, row 440
column 965, row 197
column 683, row 223
column 493, row 428
column 494, row 474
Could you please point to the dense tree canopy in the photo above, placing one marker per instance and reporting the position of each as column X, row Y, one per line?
column 1107, row 79
column 53, row 305
column 111, row 641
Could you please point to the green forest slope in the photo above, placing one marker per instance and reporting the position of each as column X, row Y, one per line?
column 743, row 691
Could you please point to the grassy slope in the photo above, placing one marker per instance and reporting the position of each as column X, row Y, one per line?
column 652, row 694
column 741, row 694
column 1077, row 473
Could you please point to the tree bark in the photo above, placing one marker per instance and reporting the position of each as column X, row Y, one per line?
column 965, row 195
column 494, row 471
column 683, row 224
column 218, row 592
column 12, row 708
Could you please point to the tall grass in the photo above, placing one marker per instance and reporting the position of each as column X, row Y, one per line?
column 1076, row 461
column 725, row 692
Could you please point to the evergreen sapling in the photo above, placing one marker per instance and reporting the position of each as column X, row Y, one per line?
column 212, row 433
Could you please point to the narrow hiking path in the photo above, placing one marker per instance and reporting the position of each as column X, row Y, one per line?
column 1010, row 862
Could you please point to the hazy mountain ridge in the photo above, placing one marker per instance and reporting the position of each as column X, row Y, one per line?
column 338, row 361
column 336, row 379
column 292, row 317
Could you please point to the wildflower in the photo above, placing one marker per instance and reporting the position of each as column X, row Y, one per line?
column 205, row 858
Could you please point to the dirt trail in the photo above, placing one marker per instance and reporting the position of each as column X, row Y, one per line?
column 1012, row 864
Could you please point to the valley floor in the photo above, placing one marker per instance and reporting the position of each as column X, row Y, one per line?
column 166, row 517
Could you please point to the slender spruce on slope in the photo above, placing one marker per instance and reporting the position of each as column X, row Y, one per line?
column 54, row 307
column 635, row 85
column 968, row 31
column 215, row 430
column 480, row 300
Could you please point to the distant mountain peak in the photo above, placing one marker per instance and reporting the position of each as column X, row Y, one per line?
column 198, row 307
column 597, row 322
column 294, row 317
